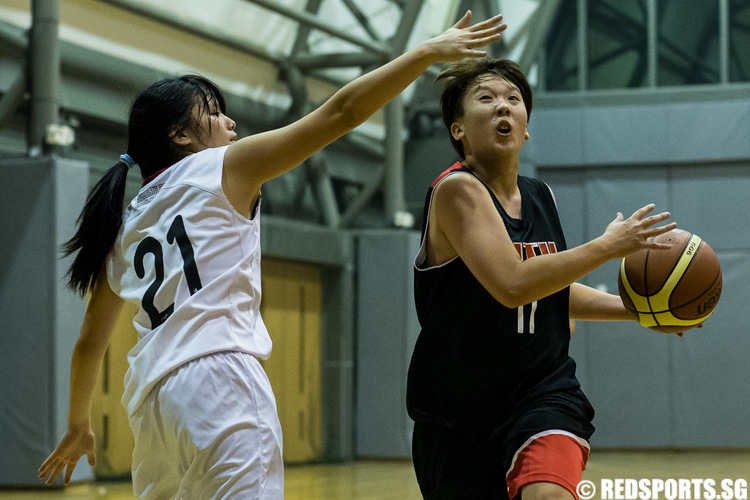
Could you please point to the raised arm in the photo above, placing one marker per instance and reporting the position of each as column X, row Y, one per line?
column 255, row 159
column 98, row 323
column 465, row 222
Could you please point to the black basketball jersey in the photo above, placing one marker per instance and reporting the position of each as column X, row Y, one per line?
column 477, row 363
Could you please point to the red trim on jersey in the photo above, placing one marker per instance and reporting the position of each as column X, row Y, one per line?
column 456, row 166
column 549, row 458
column 527, row 250
column 529, row 247
column 153, row 176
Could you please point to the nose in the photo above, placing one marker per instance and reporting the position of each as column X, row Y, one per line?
column 503, row 108
column 231, row 123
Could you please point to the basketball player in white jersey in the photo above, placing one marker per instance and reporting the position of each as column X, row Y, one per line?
column 186, row 252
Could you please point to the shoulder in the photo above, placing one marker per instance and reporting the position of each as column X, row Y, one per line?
column 205, row 162
column 456, row 167
column 211, row 157
column 461, row 197
column 202, row 169
column 457, row 186
column 532, row 183
column 537, row 187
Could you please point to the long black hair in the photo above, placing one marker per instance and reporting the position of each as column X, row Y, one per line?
column 161, row 111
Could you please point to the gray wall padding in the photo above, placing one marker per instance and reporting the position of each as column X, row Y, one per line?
column 387, row 329
column 650, row 389
column 40, row 200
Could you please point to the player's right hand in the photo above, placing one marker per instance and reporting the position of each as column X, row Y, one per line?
column 461, row 40
column 75, row 444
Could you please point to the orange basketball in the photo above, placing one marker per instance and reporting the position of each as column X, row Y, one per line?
column 671, row 290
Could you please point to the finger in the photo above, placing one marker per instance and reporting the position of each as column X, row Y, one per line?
column 46, row 468
column 92, row 458
column 55, row 472
column 641, row 212
column 69, row 472
column 46, row 464
column 464, row 21
column 473, row 52
column 619, row 217
column 653, row 232
column 489, row 35
column 655, row 219
column 487, row 23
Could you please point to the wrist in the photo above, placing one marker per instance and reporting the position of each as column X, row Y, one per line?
column 426, row 53
column 75, row 427
column 603, row 249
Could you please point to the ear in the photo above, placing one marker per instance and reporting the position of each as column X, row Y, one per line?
column 457, row 130
column 179, row 138
column 527, row 136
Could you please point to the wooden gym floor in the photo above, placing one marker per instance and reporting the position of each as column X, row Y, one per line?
column 394, row 479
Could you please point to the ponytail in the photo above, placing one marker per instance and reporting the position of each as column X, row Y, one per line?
column 98, row 226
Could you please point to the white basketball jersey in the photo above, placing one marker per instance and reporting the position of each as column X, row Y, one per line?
column 191, row 263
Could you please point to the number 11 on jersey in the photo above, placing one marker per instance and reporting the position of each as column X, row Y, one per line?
column 526, row 318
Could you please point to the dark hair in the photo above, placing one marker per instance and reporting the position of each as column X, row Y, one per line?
column 457, row 78
column 161, row 111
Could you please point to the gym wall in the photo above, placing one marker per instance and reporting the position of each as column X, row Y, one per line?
column 692, row 159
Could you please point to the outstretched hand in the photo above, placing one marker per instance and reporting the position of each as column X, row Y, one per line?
column 461, row 40
column 75, row 444
column 637, row 231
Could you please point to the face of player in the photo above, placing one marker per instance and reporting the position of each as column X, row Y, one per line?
column 495, row 122
column 211, row 129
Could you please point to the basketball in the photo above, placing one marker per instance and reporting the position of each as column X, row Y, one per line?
column 671, row 290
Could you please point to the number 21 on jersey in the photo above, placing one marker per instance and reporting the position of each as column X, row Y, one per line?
column 150, row 245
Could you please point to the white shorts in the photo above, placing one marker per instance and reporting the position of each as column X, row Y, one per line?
column 207, row 430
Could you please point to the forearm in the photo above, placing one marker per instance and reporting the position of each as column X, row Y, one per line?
column 361, row 98
column 84, row 373
column 590, row 304
column 544, row 275
column 541, row 276
column 101, row 315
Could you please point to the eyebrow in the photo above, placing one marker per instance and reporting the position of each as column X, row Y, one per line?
column 481, row 88
column 484, row 87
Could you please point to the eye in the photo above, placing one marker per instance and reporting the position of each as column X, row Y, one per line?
column 485, row 97
column 514, row 98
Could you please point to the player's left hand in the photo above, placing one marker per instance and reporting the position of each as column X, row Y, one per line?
column 680, row 334
column 75, row 444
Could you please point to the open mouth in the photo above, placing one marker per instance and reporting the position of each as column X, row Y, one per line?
column 504, row 129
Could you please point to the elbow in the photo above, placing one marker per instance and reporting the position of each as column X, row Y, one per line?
column 512, row 298
column 89, row 345
column 515, row 303
column 350, row 114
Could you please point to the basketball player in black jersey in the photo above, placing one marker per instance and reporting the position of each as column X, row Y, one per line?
column 497, row 407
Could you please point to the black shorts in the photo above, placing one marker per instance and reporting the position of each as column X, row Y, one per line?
column 458, row 464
